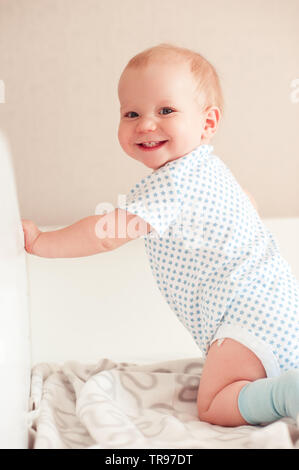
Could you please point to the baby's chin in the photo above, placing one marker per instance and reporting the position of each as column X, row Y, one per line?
column 156, row 158
column 155, row 162
column 151, row 160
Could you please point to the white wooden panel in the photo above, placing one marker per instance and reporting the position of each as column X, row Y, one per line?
column 14, row 313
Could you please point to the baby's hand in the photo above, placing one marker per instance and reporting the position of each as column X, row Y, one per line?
column 31, row 233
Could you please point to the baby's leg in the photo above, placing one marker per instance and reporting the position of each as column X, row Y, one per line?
column 228, row 368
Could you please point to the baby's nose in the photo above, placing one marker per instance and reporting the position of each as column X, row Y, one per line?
column 146, row 124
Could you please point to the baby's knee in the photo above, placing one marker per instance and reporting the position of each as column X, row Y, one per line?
column 203, row 409
column 202, row 405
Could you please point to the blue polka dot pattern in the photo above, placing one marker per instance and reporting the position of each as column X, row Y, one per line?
column 212, row 257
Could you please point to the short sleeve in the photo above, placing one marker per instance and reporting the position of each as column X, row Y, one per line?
column 155, row 199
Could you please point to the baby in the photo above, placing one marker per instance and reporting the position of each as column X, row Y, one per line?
column 214, row 261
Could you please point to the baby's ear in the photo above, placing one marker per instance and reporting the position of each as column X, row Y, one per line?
column 212, row 118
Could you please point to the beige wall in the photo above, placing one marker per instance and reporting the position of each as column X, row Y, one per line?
column 60, row 61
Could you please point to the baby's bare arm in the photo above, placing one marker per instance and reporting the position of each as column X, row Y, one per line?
column 76, row 240
column 89, row 236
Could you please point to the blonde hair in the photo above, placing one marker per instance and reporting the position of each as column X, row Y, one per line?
column 203, row 72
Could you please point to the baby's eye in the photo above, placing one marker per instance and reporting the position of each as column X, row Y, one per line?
column 166, row 111
column 131, row 114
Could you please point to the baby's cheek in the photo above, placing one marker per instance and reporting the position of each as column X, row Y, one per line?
column 126, row 143
column 122, row 137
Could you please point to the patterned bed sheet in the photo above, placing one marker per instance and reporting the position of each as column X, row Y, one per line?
column 109, row 404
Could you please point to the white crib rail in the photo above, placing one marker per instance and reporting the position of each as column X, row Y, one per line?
column 14, row 314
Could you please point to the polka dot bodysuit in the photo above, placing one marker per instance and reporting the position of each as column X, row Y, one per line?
column 217, row 265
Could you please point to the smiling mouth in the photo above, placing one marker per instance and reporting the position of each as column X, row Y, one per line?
column 152, row 145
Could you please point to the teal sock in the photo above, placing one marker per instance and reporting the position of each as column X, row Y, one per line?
column 266, row 400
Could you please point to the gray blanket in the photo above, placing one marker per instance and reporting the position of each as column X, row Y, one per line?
column 120, row 405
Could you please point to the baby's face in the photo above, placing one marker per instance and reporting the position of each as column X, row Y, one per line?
column 160, row 114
